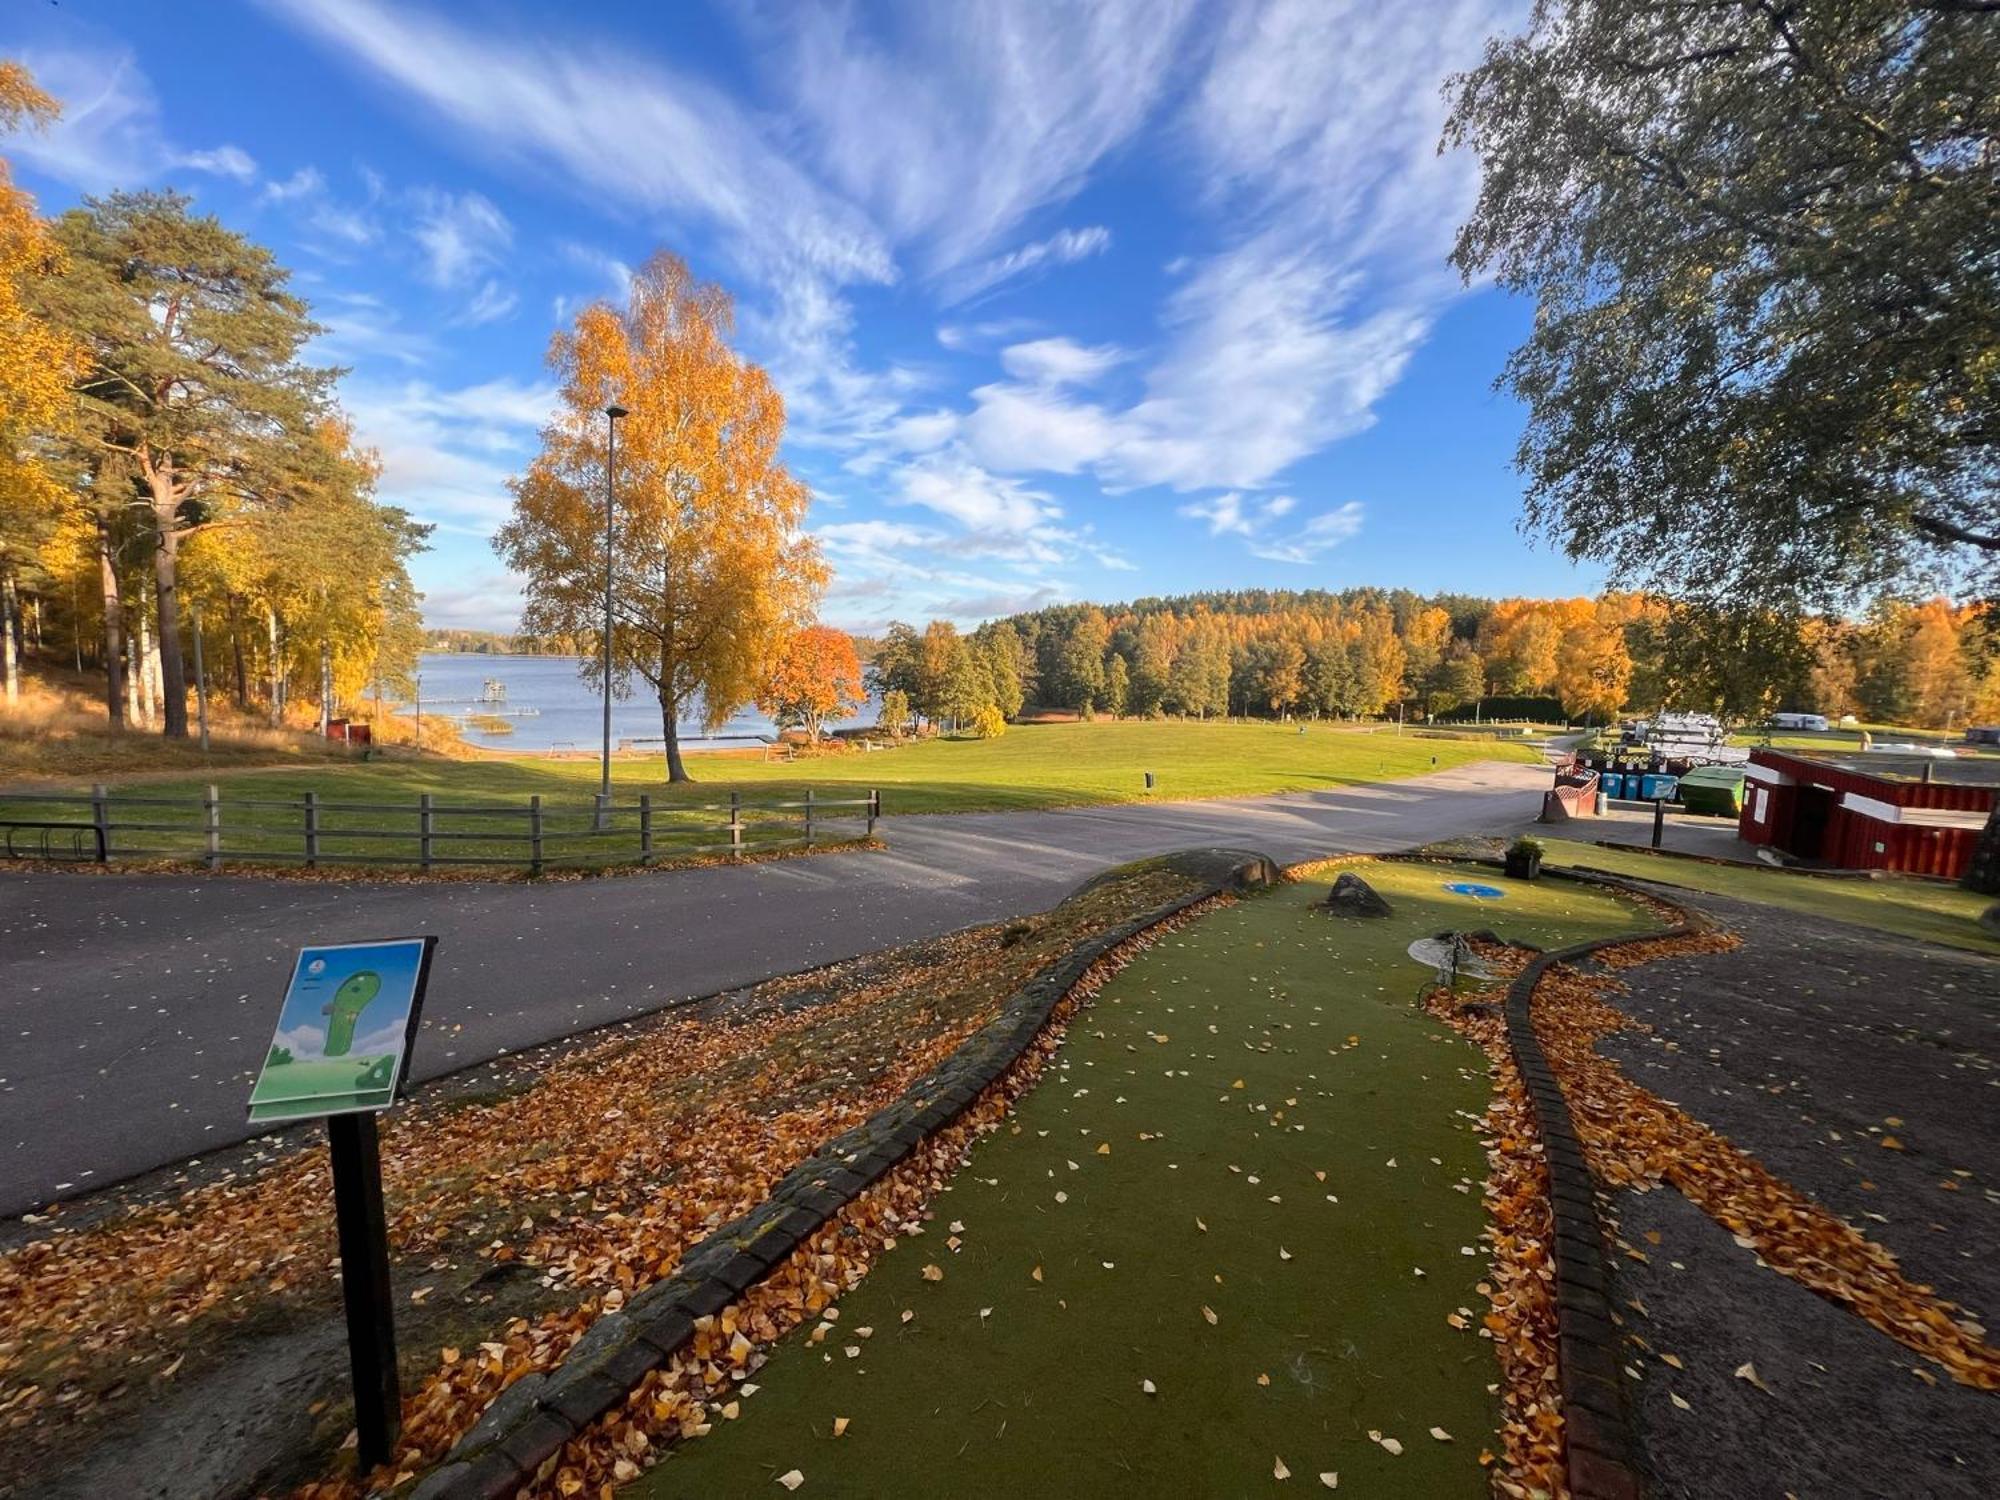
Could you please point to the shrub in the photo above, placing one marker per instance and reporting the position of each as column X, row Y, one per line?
column 988, row 723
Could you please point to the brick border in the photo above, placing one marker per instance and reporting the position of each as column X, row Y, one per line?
column 530, row 1421
column 1601, row 1449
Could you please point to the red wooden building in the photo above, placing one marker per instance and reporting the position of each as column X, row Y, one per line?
column 1870, row 812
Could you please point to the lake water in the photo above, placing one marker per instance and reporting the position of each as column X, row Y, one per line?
column 568, row 711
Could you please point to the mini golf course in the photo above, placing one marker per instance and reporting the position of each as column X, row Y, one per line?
column 1232, row 1238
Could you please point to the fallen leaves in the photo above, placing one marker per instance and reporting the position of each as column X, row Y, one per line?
column 1209, row 1313
column 1279, row 1471
column 932, row 1272
column 1748, row 1371
column 791, row 1479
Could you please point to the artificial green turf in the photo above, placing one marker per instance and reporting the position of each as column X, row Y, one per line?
column 1923, row 909
column 1005, row 1385
column 1031, row 766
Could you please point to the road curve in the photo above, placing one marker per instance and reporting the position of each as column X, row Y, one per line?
column 135, row 1009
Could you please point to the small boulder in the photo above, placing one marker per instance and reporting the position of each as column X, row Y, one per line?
column 1354, row 897
column 1990, row 919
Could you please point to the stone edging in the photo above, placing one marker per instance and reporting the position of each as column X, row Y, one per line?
column 1600, row 1446
column 530, row 1421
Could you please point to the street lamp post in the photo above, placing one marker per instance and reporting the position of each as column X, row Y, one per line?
column 611, row 415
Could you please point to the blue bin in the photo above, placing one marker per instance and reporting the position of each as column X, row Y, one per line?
column 1613, row 784
column 1660, row 788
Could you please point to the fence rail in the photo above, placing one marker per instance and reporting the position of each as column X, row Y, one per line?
column 307, row 830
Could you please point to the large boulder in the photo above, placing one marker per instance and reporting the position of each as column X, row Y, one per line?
column 1354, row 897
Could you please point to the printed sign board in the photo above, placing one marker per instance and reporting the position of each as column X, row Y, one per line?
column 343, row 1038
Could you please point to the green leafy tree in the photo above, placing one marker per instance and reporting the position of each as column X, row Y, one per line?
column 1761, row 241
column 1460, row 678
column 999, row 648
column 1081, row 679
column 1117, row 686
column 895, row 710
column 193, row 397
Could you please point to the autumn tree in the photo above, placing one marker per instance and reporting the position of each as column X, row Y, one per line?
column 37, row 363
column 711, row 572
column 813, row 678
column 1117, row 686
column 1761, row 242
column 193, row 393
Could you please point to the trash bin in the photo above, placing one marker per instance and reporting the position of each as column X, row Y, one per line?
column 1659, row 787
column 1613, row 784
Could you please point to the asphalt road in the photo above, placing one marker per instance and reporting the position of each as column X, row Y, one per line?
column 134, row 1010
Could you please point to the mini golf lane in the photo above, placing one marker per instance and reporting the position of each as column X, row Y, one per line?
column 1252, row 1122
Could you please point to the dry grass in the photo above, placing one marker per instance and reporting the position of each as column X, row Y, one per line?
column 57, row 734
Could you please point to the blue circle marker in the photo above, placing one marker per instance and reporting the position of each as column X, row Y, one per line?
column 1476, row 891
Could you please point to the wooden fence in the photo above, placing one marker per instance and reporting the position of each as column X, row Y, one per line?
column 427, row 833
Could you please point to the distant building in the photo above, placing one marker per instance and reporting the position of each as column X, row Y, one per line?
column 1911, row 813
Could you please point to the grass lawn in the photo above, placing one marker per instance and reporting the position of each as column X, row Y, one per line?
column 1920, row 909
column 1252, row 1120
column 1031, row 766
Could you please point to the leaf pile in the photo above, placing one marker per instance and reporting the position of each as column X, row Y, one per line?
column 1520, row 1285
column 513, row 1221
column 1632, row 1138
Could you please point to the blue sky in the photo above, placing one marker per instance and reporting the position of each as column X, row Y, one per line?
column 1066, row 302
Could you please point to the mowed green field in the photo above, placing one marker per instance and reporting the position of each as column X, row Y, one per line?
column 1031, row 766
column 1927, row 910
column 1250, row 1179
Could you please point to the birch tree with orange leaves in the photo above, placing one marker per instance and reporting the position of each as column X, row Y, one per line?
column 710, row 572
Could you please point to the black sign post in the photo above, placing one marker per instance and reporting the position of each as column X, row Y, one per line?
column 364, row 1284
column 341, row 1051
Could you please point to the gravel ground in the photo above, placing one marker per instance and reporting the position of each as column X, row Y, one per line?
column 1864, row 1069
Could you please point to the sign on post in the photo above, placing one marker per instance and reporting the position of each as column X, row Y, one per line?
column 343, row 1038
column 342, row 1051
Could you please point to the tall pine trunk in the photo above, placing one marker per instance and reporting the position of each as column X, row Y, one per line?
column 271, row 632
column 166, row 589
column 10, row 661
column 114, row 628
column 236, row 651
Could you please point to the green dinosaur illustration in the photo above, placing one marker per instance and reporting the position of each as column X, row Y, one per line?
column 345, row 1009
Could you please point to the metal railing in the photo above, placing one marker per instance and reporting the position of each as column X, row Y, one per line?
column 425, row 832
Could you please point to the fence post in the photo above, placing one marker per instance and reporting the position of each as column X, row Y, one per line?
column 424, row 831
column 645, row 828
column 809, row 818
column 535, row 834
column 312, row 830
column 735, row 825
column 100, row 819
column 874, row 809
column 211, row 818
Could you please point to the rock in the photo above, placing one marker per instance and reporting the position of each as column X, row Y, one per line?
column 1990, row 919
column 1354, row 897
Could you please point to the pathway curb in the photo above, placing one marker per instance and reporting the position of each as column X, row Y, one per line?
column 1601, row 1448
column 530, row 1421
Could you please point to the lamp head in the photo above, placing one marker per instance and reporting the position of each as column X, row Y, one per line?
column 614, row 411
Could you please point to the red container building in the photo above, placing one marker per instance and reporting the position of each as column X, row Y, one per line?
column 1870, row 811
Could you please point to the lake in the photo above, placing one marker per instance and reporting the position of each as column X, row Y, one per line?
column 553, row 708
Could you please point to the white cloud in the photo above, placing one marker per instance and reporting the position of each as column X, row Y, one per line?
column 1021, row 428
column 1058, row 361
column 1320, row 534
column 1234, row 514
column 307, row 196
column 110, row 134
column 608, row 126
column 1065, row 247
column 447, row 453
column 461, row 235
column 223, row 161
column 954, row 122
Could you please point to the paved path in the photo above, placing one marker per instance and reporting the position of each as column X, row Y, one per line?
column 134, row 1010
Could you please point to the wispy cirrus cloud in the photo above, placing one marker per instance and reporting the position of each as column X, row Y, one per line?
column 110, row 134
column 1063, row 248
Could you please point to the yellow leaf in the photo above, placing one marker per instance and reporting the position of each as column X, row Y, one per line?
column 1279, row 1471
column 1036, row 1273
column 1105, row 1149
column 1149, row 1388
column 1209, row 1313
column 932, row 1273
column 1263, row 1380
column 1440, row 1434
column 1330, row 1479
column 840, row 1427
column 791, row 1479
